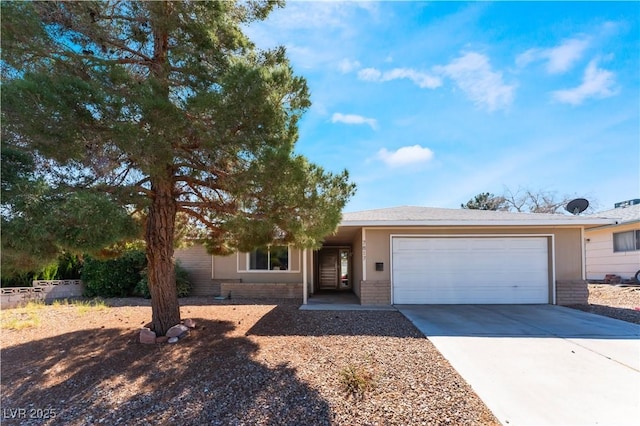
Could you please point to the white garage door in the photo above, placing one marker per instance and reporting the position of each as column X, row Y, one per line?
column 470, row 270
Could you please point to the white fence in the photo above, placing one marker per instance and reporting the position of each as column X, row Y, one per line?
column 41, row 290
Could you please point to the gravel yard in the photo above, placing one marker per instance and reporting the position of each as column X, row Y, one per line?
column 244, row 364
column 614, row 301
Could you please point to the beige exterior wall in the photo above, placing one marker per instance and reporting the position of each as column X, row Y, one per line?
column 198, row 263
column 235, row 267
column 371, row 246
column 569, row 254
column 356, row 263
column 566, row 251
column 207, row 273
column 601, row 259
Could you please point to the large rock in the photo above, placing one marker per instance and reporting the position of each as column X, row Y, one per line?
column 177, row 330
column 189, row 323
column 147, row 336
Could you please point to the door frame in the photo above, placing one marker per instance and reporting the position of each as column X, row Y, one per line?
column 316, row 267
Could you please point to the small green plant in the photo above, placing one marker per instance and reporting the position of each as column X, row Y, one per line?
column 49, row 272
column 355, row 381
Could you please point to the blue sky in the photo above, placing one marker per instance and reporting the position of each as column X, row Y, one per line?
column 431, row 103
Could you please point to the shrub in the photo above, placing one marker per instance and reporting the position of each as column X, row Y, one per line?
column 67, row 267
column 355, row 382
column 114, row 277
column 183, row 285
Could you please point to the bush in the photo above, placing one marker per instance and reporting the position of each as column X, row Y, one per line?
column 114, row 277
column 67, row 267
column 183, row 285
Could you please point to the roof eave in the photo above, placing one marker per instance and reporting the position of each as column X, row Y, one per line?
column 488, row 223
column 615, row 224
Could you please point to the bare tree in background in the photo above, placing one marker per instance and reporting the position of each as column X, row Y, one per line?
column 524, row 200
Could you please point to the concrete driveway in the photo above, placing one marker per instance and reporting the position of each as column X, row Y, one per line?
column 540, row 364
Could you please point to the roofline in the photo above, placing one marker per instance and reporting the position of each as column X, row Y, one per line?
column 615, row 224
column 546, row 222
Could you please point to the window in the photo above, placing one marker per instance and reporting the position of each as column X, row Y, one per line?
column 273, row 258
column 626, row 241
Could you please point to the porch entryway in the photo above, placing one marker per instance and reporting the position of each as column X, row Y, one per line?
column 333, row 297
column 334, row 269
column 339, row 301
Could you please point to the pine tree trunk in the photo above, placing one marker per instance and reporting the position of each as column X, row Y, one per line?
column 159, row 238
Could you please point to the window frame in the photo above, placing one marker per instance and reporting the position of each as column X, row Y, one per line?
column 268, row 249
column 635, row 237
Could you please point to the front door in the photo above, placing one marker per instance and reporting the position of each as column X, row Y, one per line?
column 333, row 269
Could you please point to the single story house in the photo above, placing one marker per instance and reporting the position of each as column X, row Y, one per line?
column 416, row 255
column 615, row 248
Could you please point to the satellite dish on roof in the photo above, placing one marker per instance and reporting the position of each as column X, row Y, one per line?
column 577, row 206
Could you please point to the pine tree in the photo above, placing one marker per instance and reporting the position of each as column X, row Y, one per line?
column 163, row 110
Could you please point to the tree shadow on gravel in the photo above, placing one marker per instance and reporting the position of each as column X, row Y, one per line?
column 287, row 320
column 201, row 301
column 107, row 376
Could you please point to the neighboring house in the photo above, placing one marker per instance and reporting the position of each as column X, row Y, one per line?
column 615, row 249
column 410, row 255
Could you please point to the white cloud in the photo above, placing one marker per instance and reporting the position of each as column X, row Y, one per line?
column 473, row 74
column 370, row 74
column 405, row 155
column 596, row 83
column 354, row 119
column 346, row 65
column 559, row 59
column 421, row 79
column 319, row 14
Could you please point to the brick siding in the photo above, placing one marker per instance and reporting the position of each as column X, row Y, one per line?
column 572, row 292
column 261, row 290
column 375, row 292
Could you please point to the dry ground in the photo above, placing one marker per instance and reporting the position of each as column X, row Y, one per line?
column 614, row 301
column 245, row 364
column 250, row 364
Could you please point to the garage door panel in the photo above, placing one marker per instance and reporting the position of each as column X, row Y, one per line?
column 470, row 270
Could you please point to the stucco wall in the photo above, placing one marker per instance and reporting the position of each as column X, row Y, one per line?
column 356, row 267
column 602, row 260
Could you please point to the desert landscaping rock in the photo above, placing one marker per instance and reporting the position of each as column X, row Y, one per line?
column 189, row 323
column 248, row 363
column 173, row 339
column 176, row 330
column 620, row 302
column 147, row 336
